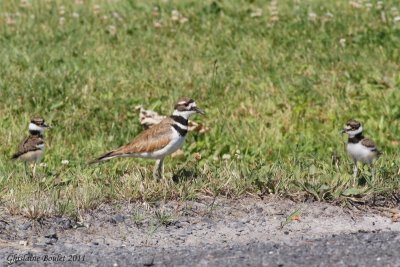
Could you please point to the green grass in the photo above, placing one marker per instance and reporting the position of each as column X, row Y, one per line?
column 277, row 89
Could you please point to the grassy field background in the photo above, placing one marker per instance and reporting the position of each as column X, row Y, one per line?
column 278, row 80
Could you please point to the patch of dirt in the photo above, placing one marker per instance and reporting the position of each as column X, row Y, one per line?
column 197, row 223
column 137, row 228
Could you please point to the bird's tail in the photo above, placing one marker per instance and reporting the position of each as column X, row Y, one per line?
column 105, row 157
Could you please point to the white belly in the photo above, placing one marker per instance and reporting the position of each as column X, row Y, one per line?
column 32, row 156
column 361, row 153
column 169, row 149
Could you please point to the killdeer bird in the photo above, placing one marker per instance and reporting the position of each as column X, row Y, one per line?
column 360, row 149
column 160, row 140
column 32, row 148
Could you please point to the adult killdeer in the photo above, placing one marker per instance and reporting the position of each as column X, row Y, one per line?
column 360, row 149
column 160, row 140
column 32, row 148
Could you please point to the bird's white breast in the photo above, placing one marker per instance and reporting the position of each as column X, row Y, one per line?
column 176, row 143
column 360, row 153
column 32, row 156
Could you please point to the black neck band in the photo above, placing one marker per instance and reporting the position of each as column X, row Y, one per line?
column 33, row 132
column 180, row 120
column 182, row 132
column 355, row 139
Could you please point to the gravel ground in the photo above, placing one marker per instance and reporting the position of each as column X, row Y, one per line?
column 250, row 232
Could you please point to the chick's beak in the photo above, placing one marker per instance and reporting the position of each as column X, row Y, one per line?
column 199, row 111
column 345, row 130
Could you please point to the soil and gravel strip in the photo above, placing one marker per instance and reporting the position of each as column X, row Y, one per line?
column 269, row 232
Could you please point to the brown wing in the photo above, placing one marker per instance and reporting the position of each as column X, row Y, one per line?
column 150, row 140
column 29, row 144
column 368, row 143
column 371, row 145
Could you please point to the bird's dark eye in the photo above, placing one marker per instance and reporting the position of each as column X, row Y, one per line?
column 186, row 104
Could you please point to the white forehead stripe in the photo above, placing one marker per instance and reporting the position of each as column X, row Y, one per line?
column 183, row 102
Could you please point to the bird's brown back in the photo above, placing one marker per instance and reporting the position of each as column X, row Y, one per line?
column 29, row 144
column 368, row 143
column 150, row 140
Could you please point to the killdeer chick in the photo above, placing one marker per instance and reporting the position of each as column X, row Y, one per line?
column 32, row 148
column 160, row 140
column 360, row 149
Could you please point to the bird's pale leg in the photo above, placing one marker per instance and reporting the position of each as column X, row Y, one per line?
column 26, row 171
column 158, row 172
column 355, row 172
column 372, row 171
column 34, row 170
column 155, row 170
